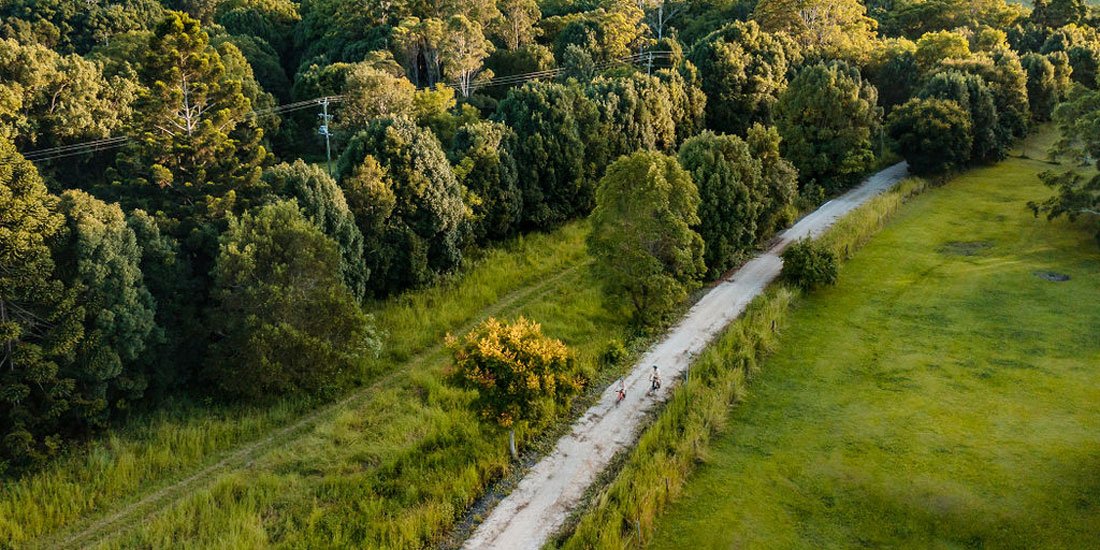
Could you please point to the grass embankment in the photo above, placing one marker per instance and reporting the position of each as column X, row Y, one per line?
column 656, row 470
column 391, row 464
column 942, row 395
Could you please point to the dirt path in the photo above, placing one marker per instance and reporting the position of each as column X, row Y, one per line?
column 542, row 501
column 92, row 531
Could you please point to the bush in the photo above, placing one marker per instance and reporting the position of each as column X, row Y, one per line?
column 614, row 354
column 288, row 324
column 808, row 264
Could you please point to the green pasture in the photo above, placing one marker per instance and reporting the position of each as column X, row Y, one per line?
column 945, row 394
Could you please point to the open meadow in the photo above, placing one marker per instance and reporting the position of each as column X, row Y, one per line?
column 945, row 393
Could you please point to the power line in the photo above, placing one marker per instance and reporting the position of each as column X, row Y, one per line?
column 115, row 142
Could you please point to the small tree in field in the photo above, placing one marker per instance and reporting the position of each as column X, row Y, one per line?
column 520, row 375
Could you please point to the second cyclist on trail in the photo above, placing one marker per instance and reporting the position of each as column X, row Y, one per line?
column 654, row 380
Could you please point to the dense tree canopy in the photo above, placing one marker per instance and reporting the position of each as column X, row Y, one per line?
column 972, row 94
column 743, row 71
column 286, row 321
column 323, row 203
column 56, row 99
column 551, row 124
column 40, row 326
column 421, row 235
column 934, row 135
column 833, row 29
column 1043, row 91
column 779, row 180
column 489, row 174
column 98, row 257
column 646, row 253
column 731, row 196
column 196, row 153
column 828, row 118
column 456, row 123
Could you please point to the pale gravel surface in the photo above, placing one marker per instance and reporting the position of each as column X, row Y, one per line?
column 539, row 505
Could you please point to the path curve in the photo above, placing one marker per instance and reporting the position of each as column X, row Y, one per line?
column 539, row 505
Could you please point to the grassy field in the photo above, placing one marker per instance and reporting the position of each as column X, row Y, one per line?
column 392, row 464
column 942, row 395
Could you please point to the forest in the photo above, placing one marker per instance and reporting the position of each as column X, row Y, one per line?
column 201, row 200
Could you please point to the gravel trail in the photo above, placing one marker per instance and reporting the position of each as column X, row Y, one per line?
column 539, row 505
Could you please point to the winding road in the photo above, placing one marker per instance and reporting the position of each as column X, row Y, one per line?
column 539, row 505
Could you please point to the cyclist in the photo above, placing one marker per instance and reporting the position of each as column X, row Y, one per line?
column 655, row 380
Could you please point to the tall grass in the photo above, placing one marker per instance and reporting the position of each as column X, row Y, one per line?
column 666, row 453
column 395, row 470
column 851, row 232
column 654, row 474
column 172, row 444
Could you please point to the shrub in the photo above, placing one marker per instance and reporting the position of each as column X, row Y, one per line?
column 520, row 375
column 808, row 264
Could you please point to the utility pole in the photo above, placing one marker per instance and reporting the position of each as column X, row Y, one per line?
column 326, row 119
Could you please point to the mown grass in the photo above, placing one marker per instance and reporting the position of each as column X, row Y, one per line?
column 170, row 445
column 654, row 473
column 942, row 395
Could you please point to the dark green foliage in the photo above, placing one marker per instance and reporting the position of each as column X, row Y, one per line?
column 322, row 203
column 532, row 58
column 779, row 179
column 552, row 123
column 47, row 99
column 265, row 65
column 635, row 114
column 1007, row 81
column 808, row 264
column 1058, row 13
column 932, row 134
column 177, row 344
column 1085, row 60
column 828, row 117
column 195, row 155
column 240, row 67
column 286, row 322
column 731, row 196
column 914, row 18
column 75, row 26
column 99, row 258
column 417, row 219
column 489, row 174
column 1042, row 86
column 270, row 21
column 1082, row 48
column 39, row 323
column 896, row 77
column 646, row 254
column 972, row 94
column 689, row 103
column 743, row 71
column 1078, row 195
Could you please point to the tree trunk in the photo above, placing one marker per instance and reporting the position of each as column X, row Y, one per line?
column 512, row 444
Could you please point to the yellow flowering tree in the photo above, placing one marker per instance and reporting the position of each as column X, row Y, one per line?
column 520, row 375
